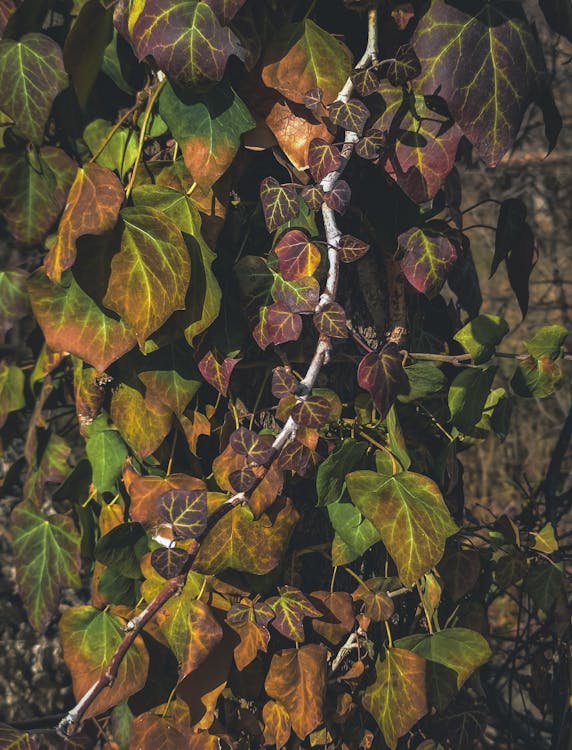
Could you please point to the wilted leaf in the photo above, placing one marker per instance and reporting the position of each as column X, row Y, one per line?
column 397, row 698
column 297, row 678
column 351, row 115
column 92, row 207
column 149, row 730
column 383, row 376
column 304, row 56
column 239, row 542
column 46, row 550
column 290, row 609
column 279, row 203
column 459, row 649
column 480, row 336
column 33, row 190
column 14, row 303
column 150, row 274
column 410, row 515
column 502, row 62
column 207, row 127
column 186, row 40
column 89, row 639
column 428, row 257
column 31, row 76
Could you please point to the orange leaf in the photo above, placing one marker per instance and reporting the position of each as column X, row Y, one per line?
column 294, row 129
column 338, row 618
column 277, row 725
column 253, row 638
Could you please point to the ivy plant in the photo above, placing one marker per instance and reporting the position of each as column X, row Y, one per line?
column 242, row 340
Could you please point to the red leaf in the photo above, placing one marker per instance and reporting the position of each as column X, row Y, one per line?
column 331, row 321
column 365, row 81
column 429, row 255
column 284, row 382
column 313, row 196
column 277, row 325
column 217, row 371
column 169, row 561
column 312, row 412
column 371, row 145
column 351, row 115
column 323, row 158
column 338, row 198
column 258, row 448
column 297, row 256
column 383, row 376
column 279, row 203
column 351, row 248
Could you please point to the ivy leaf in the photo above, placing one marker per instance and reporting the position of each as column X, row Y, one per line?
column 547, row 342
column 536, row 378
column 258, row 448
column 299, row 458
column 32, row 74
column 46, row 551
column 106, row 452
column 15, row 739
column 298, row 258
column 14, row 302
column 331, row 478
column 383, row 376
column 338, row 198
column 89, row 639
column 365, row 81
column 277, row 724
column 480, row 336
column 188, row 624
column 144, row 492
column 490, row 92
column 312, row 412
column 202, row 303
column 92, row 207
column 468, row 395
column 428, row 256
column 72, row 322
column 225, row 10
column 186, row 40
column 290, row 609
column 239, row 542
column 304, row 56
column 284, row 382
column 323, row 158
column 216, row 370
column 371, row 145
column 410, row 515
column 150, row 274
column 378, row 605
column 354, row 533
column 459, row 649
column 171, row 377
column 277, row 325
column 33, row 191
column 351, row 248
column 297, row 679
column 253, row 638
column 313, row 197
column 299, row 296
column 338, row 616
column 117, row 151
column 294, row 130
column 425, row 381
column 460, row 569
column 185, row 510
column 142, row 421
column 207, row 127
column 510, row 225
column 279, row 203
column 331, row 321
column 397, row 699
column 11, row 390
column 47, row 465
column 169, row 561
column 351, row 115
column 404, row 66
column 122, row 548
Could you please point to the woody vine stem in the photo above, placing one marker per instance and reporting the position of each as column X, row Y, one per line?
column 134, row 627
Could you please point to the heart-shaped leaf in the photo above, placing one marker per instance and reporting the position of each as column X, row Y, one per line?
column 331, row 321
column 338, row 198
column 297, row 256
column 279, row 203
column 351, row 115
column 351, row 248
column 186, row 511
column 323, row 158
column 277, row 325
column 383, row 376
column 428, row 256
column 312, row 412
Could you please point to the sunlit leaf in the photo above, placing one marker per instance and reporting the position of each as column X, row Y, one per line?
column 502, row 62
column 239, row 542
column 425, row 380
column 142, row 421
column 354, row 533
column 186, row 40
column 459, row 649
column 116, row 148
column 46, row 550
column 297, row 679
column 304, row 56
column 536, row 378
column 92, row 207
column 351, row 115
column 31, row 76
column 397, row 698
column 277, row 724
column 207, row 127
column 294, row 130
column 410, row 515
column 378, row 605
column 279, row 203
column 14, row 302
column 547, row 342
column 480, row 336
column 150, row 274
column 90, row 638
column 106, row 452
column 291, row 607
column 185, row 510
column 428, row 255
column 171, row 377
column 33, row 190
column 297, row 257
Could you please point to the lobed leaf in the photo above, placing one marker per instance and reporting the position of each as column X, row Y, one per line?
column 142, row 421
column 185, row 510
column 277, row 724
column 428, row 255
column 290, row 608
column 351, row 115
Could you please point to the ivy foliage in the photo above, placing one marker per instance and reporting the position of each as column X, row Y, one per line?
column 267, row 511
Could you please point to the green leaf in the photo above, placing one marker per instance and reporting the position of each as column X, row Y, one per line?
column 14, row 302
column 544, row 582
column 354, row 533
column 547, row 342
column 468, row 395
column 33, row 191
column 31, row 76
column 171, row 376
column 481, row 335
column 502, row 63
column 397, row 698
column 120, row 151
column 106, row 452
column 203, row 295
column 459, row 649
column 331, row 478
column 303, row 56
column 207, row 127
column 428, row 256
column 143, row 421
column 73, row 322
column 46, row 551
column 410, row 515
column 150, row 274
column 89, row 639
column 11, row 390
column 51, row 465
column 186, row 39
column 122, row 549
column 425, row 381
column 536, row 378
